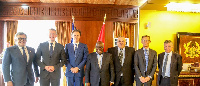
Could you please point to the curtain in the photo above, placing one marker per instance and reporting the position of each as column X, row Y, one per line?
column 11, row 31
column 63, row 29
column 124, row 29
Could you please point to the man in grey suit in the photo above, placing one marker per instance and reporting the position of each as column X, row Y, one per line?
column 123, row 58
column 145, row 62
column 169, row 65
column 76, row 54
column 17, row 63
column 99, row 68
column 53, row 58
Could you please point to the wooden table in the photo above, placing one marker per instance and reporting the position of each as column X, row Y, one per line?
column 187, row 78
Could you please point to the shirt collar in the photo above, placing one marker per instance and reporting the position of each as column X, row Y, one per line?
column 99, row 54
column 146, row 49
column 168, row 53
column 53, row 42
column 120, row 48
column 75, row 43
column 21, row 47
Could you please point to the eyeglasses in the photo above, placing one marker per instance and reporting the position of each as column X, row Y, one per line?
column 145, row 40
column 22, row 39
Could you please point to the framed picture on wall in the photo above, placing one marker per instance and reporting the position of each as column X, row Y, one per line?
column 188, row 46
column 115, row 42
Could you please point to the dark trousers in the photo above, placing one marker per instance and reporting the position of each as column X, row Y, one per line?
column 29, row 84
column 165, row 81
column 122, row 82
column 74, row 81
column 49, row 79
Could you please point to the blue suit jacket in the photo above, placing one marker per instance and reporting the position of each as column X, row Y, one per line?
column 16, row 68
column 73, row 61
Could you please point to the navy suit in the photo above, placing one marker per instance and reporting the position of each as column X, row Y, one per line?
column 73, row 61
column 17, row 69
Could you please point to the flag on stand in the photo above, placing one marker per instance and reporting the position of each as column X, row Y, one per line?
column 101, row 36
column 72, row 30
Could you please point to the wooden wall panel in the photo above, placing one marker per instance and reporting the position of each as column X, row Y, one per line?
column 90, row 32
column 60, row 11
column 1, row 35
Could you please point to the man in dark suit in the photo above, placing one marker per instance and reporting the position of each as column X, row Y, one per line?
column 145, row 61
column 99, row 68
column 170, row 66
column 123, row 58
column 17, row 63
column 76, row 54
column 53, row 58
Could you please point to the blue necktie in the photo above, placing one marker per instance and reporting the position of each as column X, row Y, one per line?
column 165, row 65
column 24, row 54
column 76, row 49
column 51, row 49
column 146, row 57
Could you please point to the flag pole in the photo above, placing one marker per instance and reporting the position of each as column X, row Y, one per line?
column 104, row 18
column 73, row 18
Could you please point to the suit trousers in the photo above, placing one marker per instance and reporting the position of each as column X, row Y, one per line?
column 28, row 84
column 165, row 81
column 49, row 79
column 74, row 81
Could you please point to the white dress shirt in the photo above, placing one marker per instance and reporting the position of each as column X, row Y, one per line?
column 167, row 73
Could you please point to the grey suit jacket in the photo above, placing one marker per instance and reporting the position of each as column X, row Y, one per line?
column 175, row 68
column 140, row 65
column 57, row 59
column 128, row 66
column 16, row 68
column 93, row 74
column 73, row 61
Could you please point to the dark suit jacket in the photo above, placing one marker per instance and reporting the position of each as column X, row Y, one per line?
column 175, row 67
column 93, row 74
column 57, row 59
column 140, row 65
column 78, row 61
column 128, row 66
column 20, row 69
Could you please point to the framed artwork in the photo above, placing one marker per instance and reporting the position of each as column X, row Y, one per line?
column 188, row 45
column 115, row 42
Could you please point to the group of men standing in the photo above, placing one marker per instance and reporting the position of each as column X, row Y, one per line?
column 116, row 67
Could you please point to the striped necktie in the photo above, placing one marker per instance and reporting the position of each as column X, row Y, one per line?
column 165, row 65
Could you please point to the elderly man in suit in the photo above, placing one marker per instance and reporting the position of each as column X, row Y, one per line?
column 99, row 68
column 170, row 66
column 76, row 54
column 50, row 58
column 17, row 63
column 123, row 58
column 145, row 61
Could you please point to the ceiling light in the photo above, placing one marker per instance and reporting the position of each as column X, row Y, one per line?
column 183, row 7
